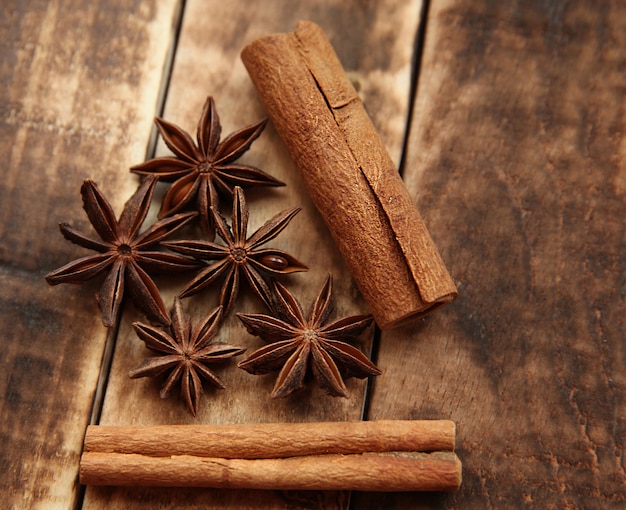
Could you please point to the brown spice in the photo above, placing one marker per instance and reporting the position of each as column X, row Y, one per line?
column 241, row 255
column 373, row 455
column 380, row 472
column 123, row 254
column 204, row 170
column 298, row 345
column 273, row 440
column 349, row 174
column 185, row 354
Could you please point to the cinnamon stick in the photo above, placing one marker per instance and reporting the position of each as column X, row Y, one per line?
column 386, row 455
column 349, row 174
column 367, row 472
column 274, row 440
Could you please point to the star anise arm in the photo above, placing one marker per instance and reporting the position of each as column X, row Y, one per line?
column 191, row 388
column 82, row 240
column 217, row 352
column 204, row 332
column 230, row 289
column 209, row 128
column 209, row 375
column 205, row 278
column 291, row 377
column 326, row 372
column 272, row 227
column 99, row 212
column 162, row 229
column 240, row 216
column 231, row 175
column 222, row 227
column 211, row 354
column 269, row 358
column 164, row 168
column 178, row 140
column 258, row 285
column 136, row 208
column 171, row 380
column 348, row 327
column 111, row 292
column 145, row 294
column 287, row 306
column 158, row 261
column 204, row 250
column 179, row 195
column 266, row 327
column 181, row 326
column 351, row 361
column 154, row 366
column 322, row 306
column 156, row 339
column 80, row 270
column 235, row 144
column 207, row 198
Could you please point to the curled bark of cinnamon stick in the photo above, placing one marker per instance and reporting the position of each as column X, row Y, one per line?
column 384, row 455
column 368, row 472
column 349, row 174
column 274, row 440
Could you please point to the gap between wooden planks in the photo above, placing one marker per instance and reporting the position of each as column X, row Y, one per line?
column 80, row 83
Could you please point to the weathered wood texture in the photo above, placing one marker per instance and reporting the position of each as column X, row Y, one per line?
column 79, row 84
column 377, row 50
column 516, row 161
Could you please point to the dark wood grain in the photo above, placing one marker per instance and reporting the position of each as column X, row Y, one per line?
column 516, row 160
column 79, row 85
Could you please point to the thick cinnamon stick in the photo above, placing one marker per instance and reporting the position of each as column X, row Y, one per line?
column 386, row 455
column 274, row 440
column 349, row 174
column 367, row 472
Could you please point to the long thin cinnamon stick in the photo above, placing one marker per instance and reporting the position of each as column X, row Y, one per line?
column 274, row 440
column 367, row 472
column 349, row 174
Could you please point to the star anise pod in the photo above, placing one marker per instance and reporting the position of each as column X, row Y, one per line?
column 185, row 354
column 298, row 346
column 123, row 254
column 240, row 254
column 201, row 171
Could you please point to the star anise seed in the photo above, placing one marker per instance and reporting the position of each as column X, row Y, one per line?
column 200, row 172
column 298, row 346
column 123, row 254
column 240, row 255
column 185, row 353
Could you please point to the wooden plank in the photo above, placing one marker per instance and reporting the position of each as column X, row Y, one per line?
column 79, row 87
column 377, row 51
column 516, row 161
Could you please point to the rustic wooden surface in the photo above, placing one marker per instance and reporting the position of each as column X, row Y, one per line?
column 514, row 157
column 79, row 82
column 516, row 160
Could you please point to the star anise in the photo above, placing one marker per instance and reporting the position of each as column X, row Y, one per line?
column 240, row 255
column 123, row 254
column 298, row 346
column 201, row 171
column 185, row 354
